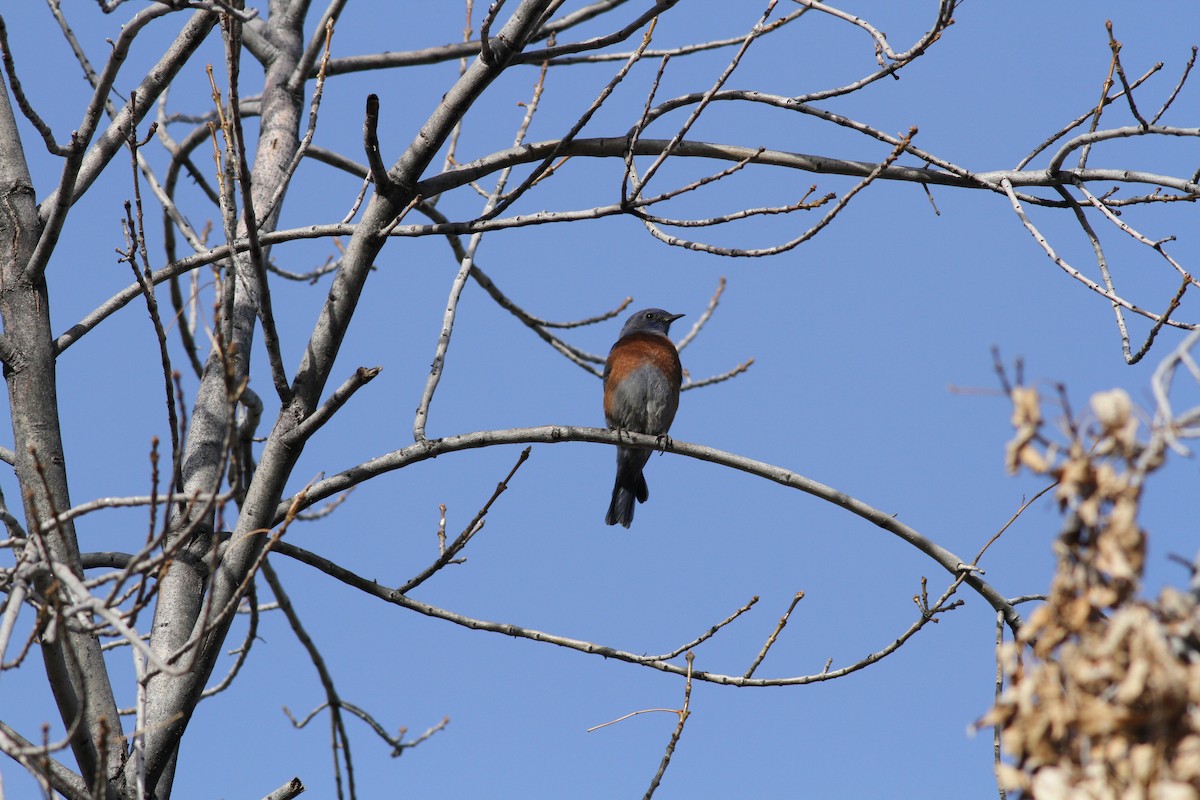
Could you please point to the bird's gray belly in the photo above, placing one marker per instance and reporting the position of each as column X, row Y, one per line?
column 644, row 402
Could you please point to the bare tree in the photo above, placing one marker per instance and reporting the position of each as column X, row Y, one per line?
column 223, row 485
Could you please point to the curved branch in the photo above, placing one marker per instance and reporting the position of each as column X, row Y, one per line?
column 396, row 597
column 1085, row 139
column 555, row 434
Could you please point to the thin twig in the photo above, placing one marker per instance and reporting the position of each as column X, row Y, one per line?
column 540, row 170
column 997, row 751
column 23, row 103
column 1115, row 46
column 704, row 317
column 684, row 713
column 466, row 263
column 791, row 244
column 639, row 183
column 1076, row 274
column 708, row 634
column 340, row 745
column 361, row 377
column 774, row 635
column 473, row 527
column 1187, row 70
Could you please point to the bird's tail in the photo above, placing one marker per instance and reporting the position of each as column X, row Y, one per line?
column 630, row 485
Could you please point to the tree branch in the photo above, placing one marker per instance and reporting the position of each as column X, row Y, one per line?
column 394, row 597
column 556, row 434
column 38, row 762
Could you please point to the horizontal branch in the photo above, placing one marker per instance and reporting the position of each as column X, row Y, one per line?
column 131, row 502
column 616, row 147
column 555, row 434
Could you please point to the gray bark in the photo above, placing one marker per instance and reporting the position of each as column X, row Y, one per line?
column 74, row 663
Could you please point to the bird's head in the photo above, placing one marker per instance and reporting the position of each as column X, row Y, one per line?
column 650, row 320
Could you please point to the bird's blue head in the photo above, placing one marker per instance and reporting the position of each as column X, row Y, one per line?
column 649, row 320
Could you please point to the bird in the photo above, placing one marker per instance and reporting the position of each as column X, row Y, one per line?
column 642, row 376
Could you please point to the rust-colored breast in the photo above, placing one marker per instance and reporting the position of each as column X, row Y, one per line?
column 637, row 351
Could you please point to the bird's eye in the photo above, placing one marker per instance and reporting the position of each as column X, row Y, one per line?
column 649, row 315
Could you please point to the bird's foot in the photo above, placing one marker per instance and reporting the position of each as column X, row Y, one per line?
column 664, row 442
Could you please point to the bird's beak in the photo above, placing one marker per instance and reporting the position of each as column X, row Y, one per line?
column 674, row 317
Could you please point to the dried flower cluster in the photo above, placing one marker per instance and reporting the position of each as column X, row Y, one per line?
column 1103, row 689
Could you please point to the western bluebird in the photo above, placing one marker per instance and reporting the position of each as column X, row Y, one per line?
column 641, row 393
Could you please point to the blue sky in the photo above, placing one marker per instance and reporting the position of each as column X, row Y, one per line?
column 872, row 374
